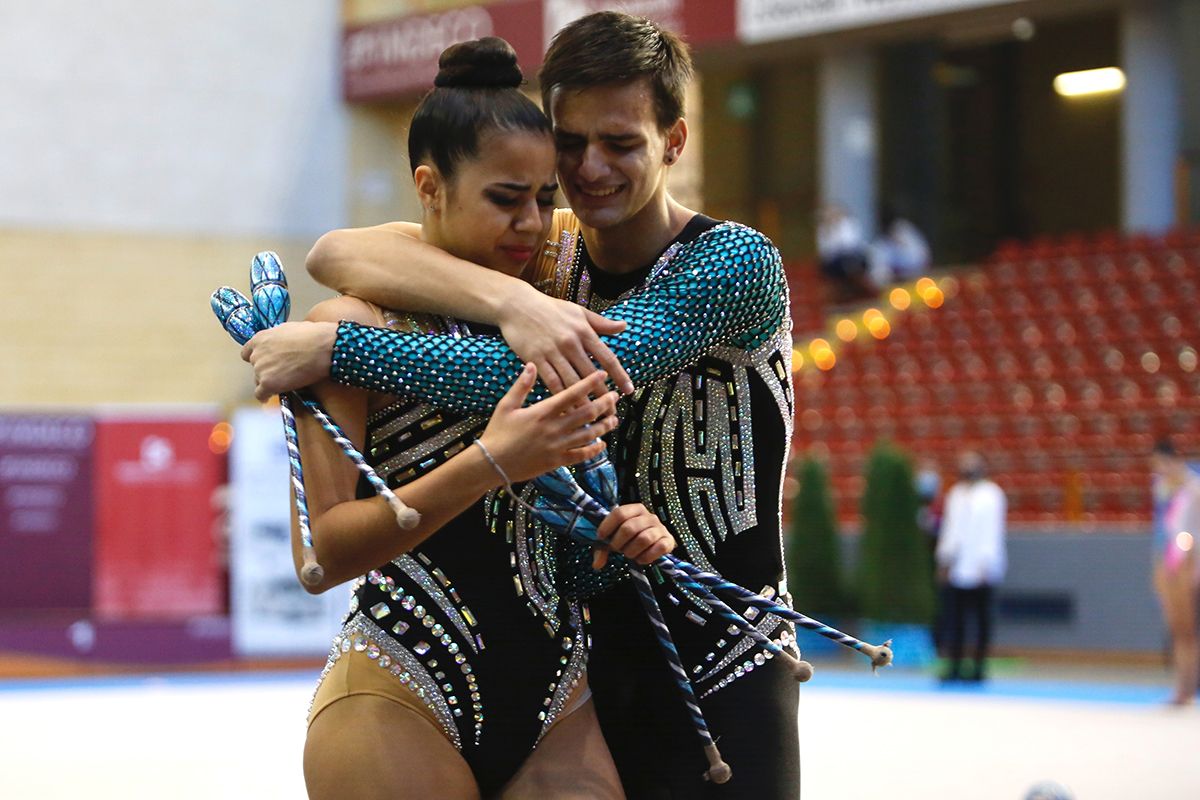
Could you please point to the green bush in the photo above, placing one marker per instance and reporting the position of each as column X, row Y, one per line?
column 814, row 556
column 895, row 583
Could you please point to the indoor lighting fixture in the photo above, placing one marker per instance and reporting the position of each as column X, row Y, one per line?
column 1090, row 81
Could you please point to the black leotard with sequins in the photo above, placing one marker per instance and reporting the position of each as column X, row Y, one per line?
column 703, row 443
column 471, row 620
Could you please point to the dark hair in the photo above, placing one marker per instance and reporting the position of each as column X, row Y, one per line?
column 1165, row 447
column 609, row 47
column 475, row 92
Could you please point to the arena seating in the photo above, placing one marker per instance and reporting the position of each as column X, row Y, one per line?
column 1061, row 359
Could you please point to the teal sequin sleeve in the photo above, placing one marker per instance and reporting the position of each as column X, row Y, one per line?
column 724, row 288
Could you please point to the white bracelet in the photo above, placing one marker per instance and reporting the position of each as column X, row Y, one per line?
column 495, row 466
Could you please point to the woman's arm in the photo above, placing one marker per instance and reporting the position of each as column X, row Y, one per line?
column 390, row 265
column 352, row 536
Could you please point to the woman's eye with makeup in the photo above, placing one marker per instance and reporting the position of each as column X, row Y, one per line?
column 546, row 201
column 502, row 200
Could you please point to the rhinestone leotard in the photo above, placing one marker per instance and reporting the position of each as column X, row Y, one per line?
column 703, row 440
column 471, row 620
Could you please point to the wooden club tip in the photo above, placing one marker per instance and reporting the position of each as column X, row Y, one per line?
column 407, row 517
column 312, row 573
column 880, row 655
column 718, row 771
column 802, row 671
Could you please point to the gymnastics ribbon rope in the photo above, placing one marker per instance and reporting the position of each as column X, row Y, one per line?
column 271, row 306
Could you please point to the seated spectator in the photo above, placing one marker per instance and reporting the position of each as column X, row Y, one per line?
column 842, row 252
column 900, row 253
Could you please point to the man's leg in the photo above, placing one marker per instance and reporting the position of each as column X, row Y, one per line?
column 957, row 631
column 983, row 624
column 654, row 745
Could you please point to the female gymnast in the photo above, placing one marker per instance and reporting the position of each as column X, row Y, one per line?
column 460, row 669
column 1176, row 567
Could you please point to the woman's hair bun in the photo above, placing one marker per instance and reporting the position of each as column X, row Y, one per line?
column 487, row 63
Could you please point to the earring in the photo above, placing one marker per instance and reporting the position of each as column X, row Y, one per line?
column 670, row 158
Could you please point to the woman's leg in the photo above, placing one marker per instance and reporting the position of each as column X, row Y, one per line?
column 365, row 746
column 572, row 761
column 1177, row 591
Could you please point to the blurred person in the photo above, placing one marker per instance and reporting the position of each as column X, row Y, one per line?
column 843, row 254
column 1176, row 567
column 900, row 252
column 441, row 682
column 615, row 85
column 971, row 560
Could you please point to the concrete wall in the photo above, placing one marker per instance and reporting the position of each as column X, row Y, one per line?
column 1073, row 591
column 1104, row 578
column 147, row 151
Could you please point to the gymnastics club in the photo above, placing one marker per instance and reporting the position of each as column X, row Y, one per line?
column 880, row 655
column 565, row 518
column 269, row 293
column 599, row 477
column 560, row 483
column 242, row 319
column 238, row 318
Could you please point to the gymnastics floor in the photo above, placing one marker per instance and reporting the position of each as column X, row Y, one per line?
column 892, row 737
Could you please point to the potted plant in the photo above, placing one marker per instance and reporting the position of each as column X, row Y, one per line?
column 895, row 581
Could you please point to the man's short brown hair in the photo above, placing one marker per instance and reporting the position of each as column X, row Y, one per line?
column 608, row 48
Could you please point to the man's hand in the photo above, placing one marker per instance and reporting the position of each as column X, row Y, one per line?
column 560, row 338
column 290, row 356
column 636, row 533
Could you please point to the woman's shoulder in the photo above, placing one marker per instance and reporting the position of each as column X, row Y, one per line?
column 564, row 220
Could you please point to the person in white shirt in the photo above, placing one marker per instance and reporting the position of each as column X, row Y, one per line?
column 971, row 559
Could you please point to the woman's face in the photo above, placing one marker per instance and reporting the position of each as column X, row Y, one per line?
column 496, row 210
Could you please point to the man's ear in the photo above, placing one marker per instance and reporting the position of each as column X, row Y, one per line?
column 676, row 140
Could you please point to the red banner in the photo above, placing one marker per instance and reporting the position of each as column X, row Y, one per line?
column 155, row 548
column 399, row 56
column 46, row 512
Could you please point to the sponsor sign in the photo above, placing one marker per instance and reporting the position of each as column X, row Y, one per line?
column 46, row 511
column 700, row 22
column 156, row 548
column 272, row 614
column 399, row 57
column 768, row 20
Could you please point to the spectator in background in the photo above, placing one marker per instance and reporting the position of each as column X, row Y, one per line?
column 971, row 560
column 843, row 254
column 1176, row 568
column 900, row 253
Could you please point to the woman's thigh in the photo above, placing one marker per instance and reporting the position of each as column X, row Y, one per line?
column 366, row 747
column 572, row 761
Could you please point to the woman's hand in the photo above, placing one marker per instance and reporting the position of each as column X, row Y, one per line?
column 290, row 356
column 635, row 532
column 560, row 430
column 560, row 338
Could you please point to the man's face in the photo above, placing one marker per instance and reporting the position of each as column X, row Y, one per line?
column 610, row 151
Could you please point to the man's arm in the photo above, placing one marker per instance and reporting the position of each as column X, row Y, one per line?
column 725, row 288
column 389, row 265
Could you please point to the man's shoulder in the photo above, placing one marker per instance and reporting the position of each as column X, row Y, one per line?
column 733, row 235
